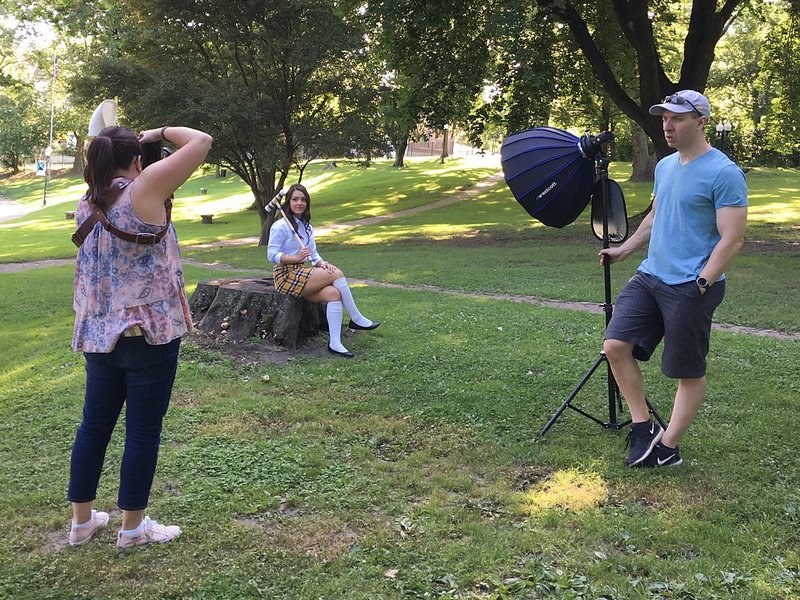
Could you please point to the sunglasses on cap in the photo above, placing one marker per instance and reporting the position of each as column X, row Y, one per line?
column 680, row 100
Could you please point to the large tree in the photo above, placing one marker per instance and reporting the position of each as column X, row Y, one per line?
column 23, row 124
column 269, row 79
column 436, row 56
column 781, row 80
column 523, row 78
column 636, row 21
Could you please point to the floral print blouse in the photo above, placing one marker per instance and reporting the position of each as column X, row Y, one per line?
column 119, row 284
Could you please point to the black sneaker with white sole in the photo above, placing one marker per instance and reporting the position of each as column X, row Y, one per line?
column 662, row 456
column 641, row 440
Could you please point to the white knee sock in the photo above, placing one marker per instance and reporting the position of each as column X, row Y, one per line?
column 334, row 315
column 350, row 304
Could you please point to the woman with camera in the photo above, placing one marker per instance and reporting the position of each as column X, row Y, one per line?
column 131, row 311
column 291, row 244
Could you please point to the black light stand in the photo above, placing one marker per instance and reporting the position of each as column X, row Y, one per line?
column 591, row 147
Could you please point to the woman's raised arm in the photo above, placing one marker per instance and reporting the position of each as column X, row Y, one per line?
column 158, row 181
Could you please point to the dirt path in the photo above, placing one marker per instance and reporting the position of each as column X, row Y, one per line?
column 588, row 307
column 11, row 209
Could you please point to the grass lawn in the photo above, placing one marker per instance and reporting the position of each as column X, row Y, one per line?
column 368, row 192
column 413, row 471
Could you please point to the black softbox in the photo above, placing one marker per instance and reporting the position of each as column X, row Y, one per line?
column 548, row 174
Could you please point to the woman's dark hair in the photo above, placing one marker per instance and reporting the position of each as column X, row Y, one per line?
column 305, row 218
column 114, row 148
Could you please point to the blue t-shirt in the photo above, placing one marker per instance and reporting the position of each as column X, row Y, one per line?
column 685, row 223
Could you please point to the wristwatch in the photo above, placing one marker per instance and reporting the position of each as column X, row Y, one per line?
column 702, row 283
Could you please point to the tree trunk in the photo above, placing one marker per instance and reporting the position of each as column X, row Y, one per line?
column 444, row 146
column 644, row 163
column 263, row 191
column 400, row 151
column 238, row 309
column 267, row 219
column 80, row 156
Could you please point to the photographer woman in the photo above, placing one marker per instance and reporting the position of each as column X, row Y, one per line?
column 291, row 243
column 131, row 311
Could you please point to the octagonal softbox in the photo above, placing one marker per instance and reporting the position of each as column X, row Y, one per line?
column 548, row 174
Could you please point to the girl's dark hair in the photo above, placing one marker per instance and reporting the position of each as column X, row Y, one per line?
column 305, row 218
column 114, row 148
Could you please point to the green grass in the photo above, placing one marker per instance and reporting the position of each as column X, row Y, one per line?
column 489, row 244
column 369, row 192
column 413, row 471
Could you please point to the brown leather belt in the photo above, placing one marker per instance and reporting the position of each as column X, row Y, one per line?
column 147, row 239
column 133, row 331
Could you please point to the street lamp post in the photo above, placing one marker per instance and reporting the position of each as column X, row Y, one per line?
column 47, row 153
column 723, row 131
column 49, row 150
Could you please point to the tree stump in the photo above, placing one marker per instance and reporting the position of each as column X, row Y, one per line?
column 238, row 309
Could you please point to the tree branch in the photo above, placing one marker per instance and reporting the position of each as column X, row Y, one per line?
column 567, row 13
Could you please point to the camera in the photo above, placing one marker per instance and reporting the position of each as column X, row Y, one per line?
column 152, row 152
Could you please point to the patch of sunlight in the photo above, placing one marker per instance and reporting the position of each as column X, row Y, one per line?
column 55, row 196
column 453, row 163
column 434, row 186
column 43, row 224
column 438, row 171
column 322, row 181
column 434, row 232
column 361, row 209
column 23, row 373
column 11, row 374
column 774, row 212
column 71, row 194
column 193, row 206
column 489, row 160
column 570, row 490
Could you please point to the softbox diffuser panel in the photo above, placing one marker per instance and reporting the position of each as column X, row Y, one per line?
column 616, row 213
column 547, row 174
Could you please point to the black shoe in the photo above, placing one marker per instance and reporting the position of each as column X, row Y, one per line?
column 345, row 354
column 662, row 456
column 641, row 440
column 353, row 325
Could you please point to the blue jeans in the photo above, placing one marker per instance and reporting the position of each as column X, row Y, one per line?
column 140, row 376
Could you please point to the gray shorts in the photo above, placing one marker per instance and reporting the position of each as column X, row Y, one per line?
column 647, row 310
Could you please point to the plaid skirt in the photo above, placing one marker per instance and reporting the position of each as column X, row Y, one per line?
column 290, row 279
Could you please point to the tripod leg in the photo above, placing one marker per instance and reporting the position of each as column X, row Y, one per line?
column 654, row 412
column 571, row 397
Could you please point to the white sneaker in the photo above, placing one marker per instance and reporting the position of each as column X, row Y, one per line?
column 80, row 534
column 151, row 533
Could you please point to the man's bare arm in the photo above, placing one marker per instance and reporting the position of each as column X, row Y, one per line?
column 633, row 243
column 731, row 223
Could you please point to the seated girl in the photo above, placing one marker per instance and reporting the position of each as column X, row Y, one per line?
column 291, row 244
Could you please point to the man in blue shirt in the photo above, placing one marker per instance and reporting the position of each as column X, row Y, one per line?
column 695, row 229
